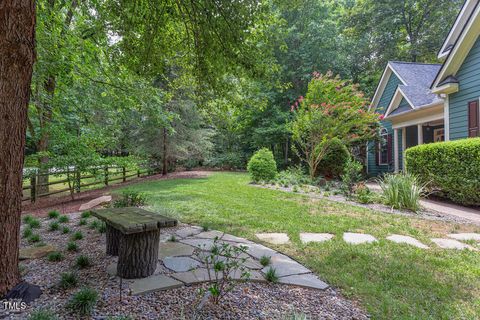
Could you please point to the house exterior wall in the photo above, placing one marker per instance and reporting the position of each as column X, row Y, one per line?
column 383, row 104
column 469, row 89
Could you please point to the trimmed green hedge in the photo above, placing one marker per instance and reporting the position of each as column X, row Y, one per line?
column 452, row 167
column 262, row 166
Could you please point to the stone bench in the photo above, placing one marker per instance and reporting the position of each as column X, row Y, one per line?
column 133, row 234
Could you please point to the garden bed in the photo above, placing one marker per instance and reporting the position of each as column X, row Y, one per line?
column 247, row 301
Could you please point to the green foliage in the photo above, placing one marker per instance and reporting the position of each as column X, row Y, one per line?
column 94, row 224
column 65, row 230
column 130, row 198
column 27, row 232
column 86, row 214
column 292, row 176
column 335, row 160
column 402, row 191
column 82, row 222
column 172, row 238
column 83, row 262
column 271, row 275
column 27, row 219
column 364, row 195
column 352, row 174
column 53, row 226
column 77, row 235
column 55, row 256
column 68, row 280
column 225, row 261
column 34, row 223
column 53, row 214
column 34, row 238
column 452, row 168
column 42, row 314
column 333, row 108
column 72, row 246
column 63, row 219
column 83, row 301
column 262, row 166
column 265, row 260
column 102, row 228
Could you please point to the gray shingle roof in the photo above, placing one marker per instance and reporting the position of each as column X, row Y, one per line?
column 417, row 77
column 401, row 109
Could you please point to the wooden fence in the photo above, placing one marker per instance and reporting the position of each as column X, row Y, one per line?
column 101, row 177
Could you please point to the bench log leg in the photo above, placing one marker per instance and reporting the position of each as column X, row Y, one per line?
column 138, row 254
column 113, row 240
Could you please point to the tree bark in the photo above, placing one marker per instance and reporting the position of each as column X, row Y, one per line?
column 113, row 240
column 138, row 254
column 17, row 55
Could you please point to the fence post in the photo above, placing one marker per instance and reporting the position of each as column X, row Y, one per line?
column 124, row 172
column 33, row 187
column 106, row 176
column 78, row 180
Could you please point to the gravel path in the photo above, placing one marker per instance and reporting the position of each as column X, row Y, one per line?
column 247, row 301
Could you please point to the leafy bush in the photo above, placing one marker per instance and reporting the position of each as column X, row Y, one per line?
column 451, row 167
column 53, row 226
column 77, row 235
column 55, row 256
column 68, row 280
column 42, row 315
column 63, row 219
column 83, row 301
column 292, row 177
column 72, row 246
column 352, row 175
column 83, row 262
column 262, row 166
column 335, row 160
column 53, row 214
column 130, row 198
column 402, row 191
column 86, row 214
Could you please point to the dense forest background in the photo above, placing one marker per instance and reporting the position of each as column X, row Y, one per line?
column 118, row 78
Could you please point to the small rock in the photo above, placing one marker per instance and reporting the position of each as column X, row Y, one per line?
column 36, row 252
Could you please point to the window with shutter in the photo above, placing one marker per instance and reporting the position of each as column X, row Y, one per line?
column 473, row 119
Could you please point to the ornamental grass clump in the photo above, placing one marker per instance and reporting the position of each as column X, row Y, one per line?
column 53, row 214
column 83, row 301
column 402, row 191
column 68, row 280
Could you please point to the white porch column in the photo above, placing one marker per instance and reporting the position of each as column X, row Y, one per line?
column 395, row 149
column 446, row 118
column 419, row 134
column 404, row 145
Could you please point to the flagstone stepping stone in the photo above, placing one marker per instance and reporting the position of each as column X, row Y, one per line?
column 153, row 283
column 188, row 231
column 451, row 244
column 315, row 237
column 95, row 202
column 465, row 236
column 408, row 240
column 193, row 276
column 112, row 269
column 273, row 238
column 36, row 252
column 358, row 238
column 249, row 262
column 223, row 236
column 308, row 280
column 254, row 276
column 257, row 250
column 285, row 266
column 204, row 244
column 165, row 237
column 174, row 249
column 180, row 264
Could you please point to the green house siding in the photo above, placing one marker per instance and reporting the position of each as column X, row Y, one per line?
column 469, row 89
column 383, row 104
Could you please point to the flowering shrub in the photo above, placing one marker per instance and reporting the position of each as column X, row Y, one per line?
column 333, row 108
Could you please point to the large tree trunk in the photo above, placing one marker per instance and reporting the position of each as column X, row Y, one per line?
column 17, row 43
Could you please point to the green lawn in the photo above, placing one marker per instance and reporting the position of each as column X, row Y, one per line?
column 391, row 281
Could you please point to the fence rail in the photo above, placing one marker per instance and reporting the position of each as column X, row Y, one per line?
column 106, row 175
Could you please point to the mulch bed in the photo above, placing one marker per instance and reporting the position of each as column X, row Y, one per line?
column 247, row 301
column 65, row 204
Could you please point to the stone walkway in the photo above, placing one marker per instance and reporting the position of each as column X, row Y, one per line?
column 362, row 238
column 179, row 263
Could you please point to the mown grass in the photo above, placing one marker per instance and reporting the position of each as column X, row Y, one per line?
column 390, row 281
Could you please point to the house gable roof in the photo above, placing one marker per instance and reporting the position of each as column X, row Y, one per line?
column 464, row 43
column 455, row 31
